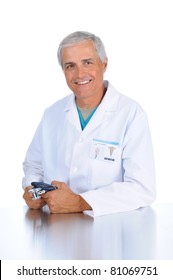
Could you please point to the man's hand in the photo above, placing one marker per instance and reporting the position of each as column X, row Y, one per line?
column 63, row 200
column 33, row 204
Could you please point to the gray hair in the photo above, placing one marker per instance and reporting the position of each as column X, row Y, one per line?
column 77, row 37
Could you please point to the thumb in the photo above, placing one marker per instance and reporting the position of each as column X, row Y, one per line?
column 56, row 184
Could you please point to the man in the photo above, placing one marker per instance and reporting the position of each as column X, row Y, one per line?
column 93, row 145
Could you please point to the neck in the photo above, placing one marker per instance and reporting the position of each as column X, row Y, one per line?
column 90, row 103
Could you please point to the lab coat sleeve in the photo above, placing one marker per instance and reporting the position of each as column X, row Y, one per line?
column 138, row 186
column 32, row 164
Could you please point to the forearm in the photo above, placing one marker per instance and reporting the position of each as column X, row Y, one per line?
column 33, row 172
column 119, row 197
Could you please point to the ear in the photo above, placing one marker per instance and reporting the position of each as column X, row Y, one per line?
column 105, row 64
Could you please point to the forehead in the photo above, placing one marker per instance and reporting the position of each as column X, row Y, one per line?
column 83, row 50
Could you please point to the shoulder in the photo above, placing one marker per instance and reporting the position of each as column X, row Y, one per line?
column 122, row 102
column 61, row 103
column 126, row 109
column 59, row 106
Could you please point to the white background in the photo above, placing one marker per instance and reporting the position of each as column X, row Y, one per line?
column 138, row 36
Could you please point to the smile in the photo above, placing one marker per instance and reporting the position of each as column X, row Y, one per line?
column 83, row 82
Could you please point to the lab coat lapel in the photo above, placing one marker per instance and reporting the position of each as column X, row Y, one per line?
column 105, row 110
column 72, row 114
column 96, row 120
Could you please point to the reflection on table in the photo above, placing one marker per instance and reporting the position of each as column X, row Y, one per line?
column 37, row 234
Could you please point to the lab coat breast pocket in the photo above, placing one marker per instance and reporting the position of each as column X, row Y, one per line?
column 104, row 163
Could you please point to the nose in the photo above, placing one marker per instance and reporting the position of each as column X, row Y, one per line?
column 79, row 71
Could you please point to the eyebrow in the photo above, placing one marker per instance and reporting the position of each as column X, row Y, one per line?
column 71, row 62
column 87, row 59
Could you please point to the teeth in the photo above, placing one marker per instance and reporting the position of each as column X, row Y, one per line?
column 83, row 82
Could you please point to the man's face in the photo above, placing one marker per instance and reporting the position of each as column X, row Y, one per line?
column 84, row 71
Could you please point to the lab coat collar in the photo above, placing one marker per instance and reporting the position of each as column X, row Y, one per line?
column 109, row 102
column 106, row 107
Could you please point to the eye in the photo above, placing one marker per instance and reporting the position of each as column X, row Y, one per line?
column 69, row 66
column 88, row 62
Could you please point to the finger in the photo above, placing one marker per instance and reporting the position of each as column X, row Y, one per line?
column 44, row 196
column 56, row 184
column 27, row 195
column 48, row 194
column 28, row 188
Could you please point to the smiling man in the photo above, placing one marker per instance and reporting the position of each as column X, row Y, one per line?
column 94, row 145
column 84, row 72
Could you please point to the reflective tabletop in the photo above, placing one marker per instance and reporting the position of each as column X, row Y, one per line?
column 146, row 233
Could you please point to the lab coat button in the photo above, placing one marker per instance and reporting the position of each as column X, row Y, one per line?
column 75, row 169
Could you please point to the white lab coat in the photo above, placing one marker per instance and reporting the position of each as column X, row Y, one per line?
column 61, row 151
